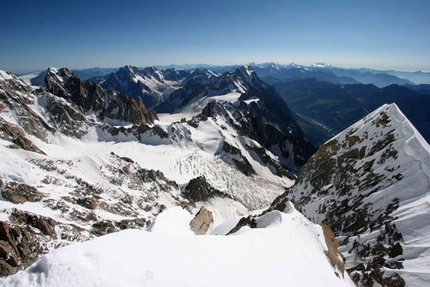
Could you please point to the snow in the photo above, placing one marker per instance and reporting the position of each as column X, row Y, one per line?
column 288, row 252
column 286, row 249
column 252, row 100
column 196, row 106
column 5, row 75
column 28, row 77
column 412, row 163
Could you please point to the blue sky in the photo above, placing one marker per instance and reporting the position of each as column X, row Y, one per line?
column 382, row 34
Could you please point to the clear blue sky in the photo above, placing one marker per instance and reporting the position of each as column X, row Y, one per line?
column 383, row 34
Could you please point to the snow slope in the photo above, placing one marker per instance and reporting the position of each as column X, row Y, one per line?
column 286, row 250
column 110, row 177
column 371, row 184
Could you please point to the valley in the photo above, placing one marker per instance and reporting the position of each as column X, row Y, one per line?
column 84, row 161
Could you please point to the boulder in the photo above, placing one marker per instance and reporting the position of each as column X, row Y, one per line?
column 201, row 222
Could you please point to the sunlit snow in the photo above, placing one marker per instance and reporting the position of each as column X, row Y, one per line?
column 288, row 250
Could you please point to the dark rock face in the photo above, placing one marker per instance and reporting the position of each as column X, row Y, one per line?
column 45, row 224
column 16, row 96
column 266, row 159
column 198, row 189
column 262, row 116
column 21, row 242
column 250, row 120
column 64, row 116
column 92, row 97
column 244, row 221
column 18, row 247
column 87, row 202
column 17, row 137
column 238, row 159
column 195, row 84
column 201, row 222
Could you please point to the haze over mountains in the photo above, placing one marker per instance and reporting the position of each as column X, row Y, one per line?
column 230, row 152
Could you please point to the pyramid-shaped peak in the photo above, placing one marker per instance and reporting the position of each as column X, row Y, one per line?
column 152, row 72
column 151, row 69
column 246, row 71
column 129, row 69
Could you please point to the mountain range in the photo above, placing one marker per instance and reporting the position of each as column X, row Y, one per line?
column 325, row 109
column 178, row 153
column 321, row 71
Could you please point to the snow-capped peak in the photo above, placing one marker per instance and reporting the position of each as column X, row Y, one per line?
column 247, row 71
column 371, row 184
column 320, row 65
column 5, row 75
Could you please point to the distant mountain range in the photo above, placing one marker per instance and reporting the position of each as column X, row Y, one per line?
column 325, row 108
column 321, row 71
column 221, row 153
column 326, row 99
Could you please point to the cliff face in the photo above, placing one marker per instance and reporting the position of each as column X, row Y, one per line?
column 91, row 97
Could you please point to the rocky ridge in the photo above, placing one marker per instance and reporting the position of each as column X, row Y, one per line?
column 368, row 184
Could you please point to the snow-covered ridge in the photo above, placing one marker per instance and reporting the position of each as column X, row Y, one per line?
column 268, row 255
column 5, row 75
column 371, row 184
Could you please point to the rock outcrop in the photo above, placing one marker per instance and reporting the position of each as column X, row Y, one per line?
column 198, row 189
column 202, row 221
column 19, row 192
column 23, row 240
column 92, row 97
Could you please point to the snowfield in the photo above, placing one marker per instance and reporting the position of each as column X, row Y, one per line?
column 288, row 250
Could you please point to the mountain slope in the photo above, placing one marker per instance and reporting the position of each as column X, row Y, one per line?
column 77, row 164
column 92, row 98
column 253, row 108
column 371, row 185
column 148, row 84
column 335, row 107
column 267, row 255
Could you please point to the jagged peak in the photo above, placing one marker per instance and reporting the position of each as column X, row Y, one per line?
column 60, row 71
column 246, row 70
column 8, row 79
column 129, row 69
column 6, row 75
column 152, row 72
column 52, row 70
column 151, row 69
